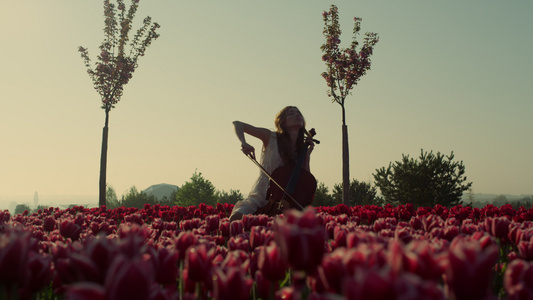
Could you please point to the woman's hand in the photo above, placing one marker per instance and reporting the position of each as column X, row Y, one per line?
column 311, row 144
column 235, row 216
column 248, row 149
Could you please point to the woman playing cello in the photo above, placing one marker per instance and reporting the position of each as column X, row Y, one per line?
column 280, row 148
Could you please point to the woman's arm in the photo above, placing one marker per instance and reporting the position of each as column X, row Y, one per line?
column 261, row 133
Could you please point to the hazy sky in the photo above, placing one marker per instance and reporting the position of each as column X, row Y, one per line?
column 446, row 76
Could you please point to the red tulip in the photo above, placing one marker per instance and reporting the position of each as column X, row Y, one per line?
column 288, row 293
column 185, row 240
column 85, row 291
column 236, row 259
column 39, row 272
column 129, row 279
column 263, row 285
column 238, row 243
column 224, row 228
column 69, row 229
column 369, row 284
column 212, row 222
column 470, row 269
column 249, row 221
column 231, row 284
column 272, row 263
column 198, row 263
column 166, row 265
column 498, row 227
column 301, row 239
column 49, row 223
column 332, row 271
column 518, row 280
column 525, row 248
column 339, row 235
column 101, row 251
column 432, row 221
column 14, row 249
column 236, row 228
column 424, row 260
column 259, row 236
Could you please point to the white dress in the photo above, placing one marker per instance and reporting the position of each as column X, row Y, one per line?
column 270, row 160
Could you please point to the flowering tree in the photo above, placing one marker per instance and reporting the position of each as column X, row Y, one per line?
column 115, row 64
column 344, row 69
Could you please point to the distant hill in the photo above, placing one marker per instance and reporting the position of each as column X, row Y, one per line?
column 490, row 197
column 161, row 190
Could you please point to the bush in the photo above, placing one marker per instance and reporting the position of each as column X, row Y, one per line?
column 430, row 180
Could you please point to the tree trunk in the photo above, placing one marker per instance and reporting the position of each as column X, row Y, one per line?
column 103, row 162
column 345, row 162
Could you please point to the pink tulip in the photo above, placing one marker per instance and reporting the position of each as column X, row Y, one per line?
column 518, row 280
column 301, row 239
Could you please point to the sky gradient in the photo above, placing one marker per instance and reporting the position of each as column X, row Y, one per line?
column 446, row 76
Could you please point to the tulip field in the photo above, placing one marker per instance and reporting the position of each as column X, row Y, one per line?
column 362, row 252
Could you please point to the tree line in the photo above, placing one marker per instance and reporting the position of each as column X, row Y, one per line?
column 428, row 180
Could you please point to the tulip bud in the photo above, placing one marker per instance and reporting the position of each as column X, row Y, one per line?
column 236, row 228
column 198, row 263
column 184, row 240
column 301, row 239
column 231, row 284
column 525, row 248
column 498, row 227
column 271, row 263
column 470, row 269
column 518, row 280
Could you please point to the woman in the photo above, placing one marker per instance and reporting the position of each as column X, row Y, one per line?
column 280, row 148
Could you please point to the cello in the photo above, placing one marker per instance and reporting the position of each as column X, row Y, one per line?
column 300, row 185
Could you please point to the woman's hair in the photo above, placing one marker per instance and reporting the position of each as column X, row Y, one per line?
column 284, row 142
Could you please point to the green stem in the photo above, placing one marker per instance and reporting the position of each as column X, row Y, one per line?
column 271, row 294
